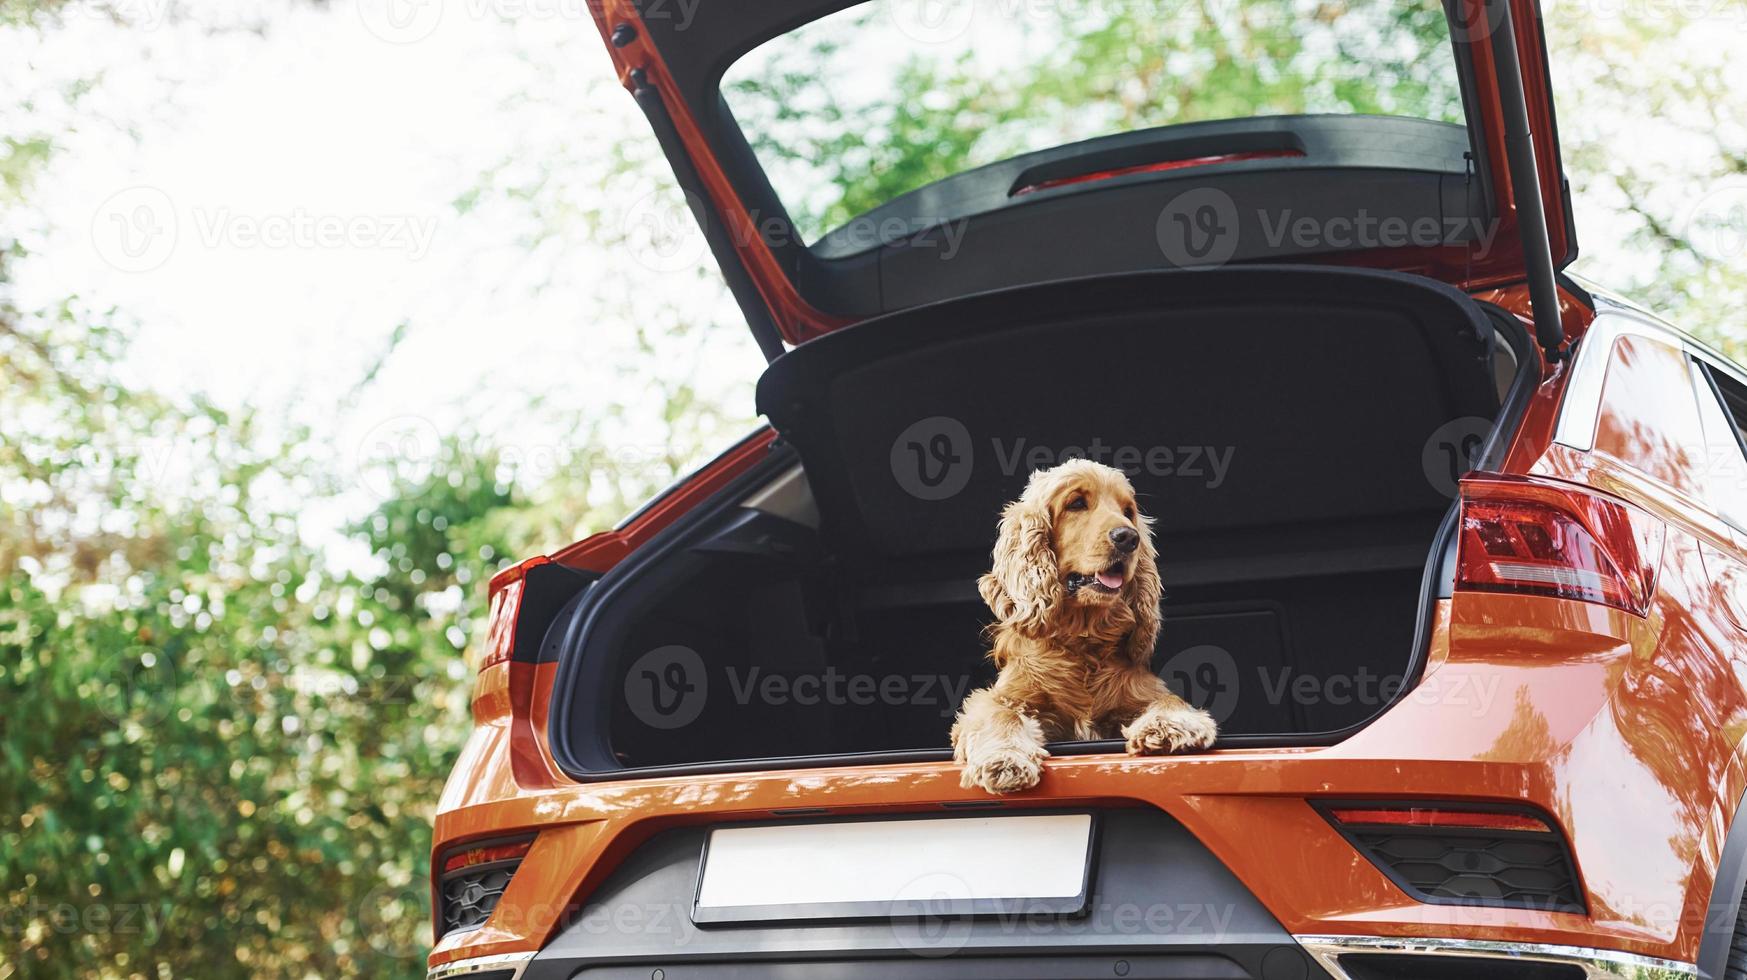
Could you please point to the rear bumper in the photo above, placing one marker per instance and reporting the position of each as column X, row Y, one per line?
column 1162, row 906
column 1482, row 958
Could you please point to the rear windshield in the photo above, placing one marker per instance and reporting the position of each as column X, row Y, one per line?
column 881, row 98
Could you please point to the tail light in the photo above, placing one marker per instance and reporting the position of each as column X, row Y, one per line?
column 1050, row 183
column 1464, row 854
column 471, row 879
column 1538, row 537
column 1410, row 816
column 500, row 630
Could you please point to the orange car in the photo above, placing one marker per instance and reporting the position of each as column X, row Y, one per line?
column 1453, row 546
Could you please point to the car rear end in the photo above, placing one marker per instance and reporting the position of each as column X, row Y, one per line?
column 1439, row 689
column 1430, row 844
column 1459, row 831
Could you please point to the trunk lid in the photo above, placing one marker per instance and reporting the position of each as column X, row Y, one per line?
column 848, row 160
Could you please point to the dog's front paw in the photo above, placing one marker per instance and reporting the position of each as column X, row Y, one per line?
column 1162, row 730
column 1004, row 771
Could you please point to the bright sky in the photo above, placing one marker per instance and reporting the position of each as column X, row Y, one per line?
column 287, row 199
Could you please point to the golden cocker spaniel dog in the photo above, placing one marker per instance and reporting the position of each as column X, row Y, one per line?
column 1075, row 593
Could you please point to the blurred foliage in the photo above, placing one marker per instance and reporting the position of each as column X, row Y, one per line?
column 218, row 755
column 224, row 733
column 1653, row 124
column 220, row 747
column 1075, row 71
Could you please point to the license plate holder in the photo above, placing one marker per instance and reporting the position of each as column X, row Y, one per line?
column 904, row 868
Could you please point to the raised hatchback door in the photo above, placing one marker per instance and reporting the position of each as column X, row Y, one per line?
column 848, row 159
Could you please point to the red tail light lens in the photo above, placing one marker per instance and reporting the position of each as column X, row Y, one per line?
column 500, row 631
column 1150, row 168
column 1430, row 817
column 1543, row 538
column 490, row 854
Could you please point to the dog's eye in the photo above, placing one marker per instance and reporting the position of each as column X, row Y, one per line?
column 1128, row 512
column 1078, row 503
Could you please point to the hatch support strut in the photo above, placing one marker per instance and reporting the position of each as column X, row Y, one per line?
column 1525, row 183
column 715, row 230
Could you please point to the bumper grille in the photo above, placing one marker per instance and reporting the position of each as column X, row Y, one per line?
column 472, row 881
column 1468, row 865
column 470, row 896
column 1484, row 869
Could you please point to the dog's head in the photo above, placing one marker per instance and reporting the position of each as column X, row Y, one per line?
column 1074, row 542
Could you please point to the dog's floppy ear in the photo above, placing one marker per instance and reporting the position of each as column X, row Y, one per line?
column 1023, row 586
column 1144, row 600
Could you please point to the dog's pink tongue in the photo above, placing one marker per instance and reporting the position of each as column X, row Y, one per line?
column 1110, row 580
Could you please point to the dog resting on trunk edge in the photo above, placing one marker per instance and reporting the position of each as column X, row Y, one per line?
column 1075, row 593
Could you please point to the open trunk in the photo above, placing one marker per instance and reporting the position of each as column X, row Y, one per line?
column 1295, row 433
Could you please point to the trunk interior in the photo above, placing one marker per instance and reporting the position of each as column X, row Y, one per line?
column 1289, row 430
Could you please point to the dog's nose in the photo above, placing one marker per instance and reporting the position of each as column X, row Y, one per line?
column 1126, row 539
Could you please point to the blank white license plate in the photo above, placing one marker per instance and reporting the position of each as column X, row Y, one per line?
column 897, row 868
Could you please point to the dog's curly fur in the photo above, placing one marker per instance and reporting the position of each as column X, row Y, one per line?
column 1074, row 652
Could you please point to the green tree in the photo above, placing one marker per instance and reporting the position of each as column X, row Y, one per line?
column 223, row 738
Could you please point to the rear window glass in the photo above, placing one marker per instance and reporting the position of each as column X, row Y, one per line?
column 854, row 109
